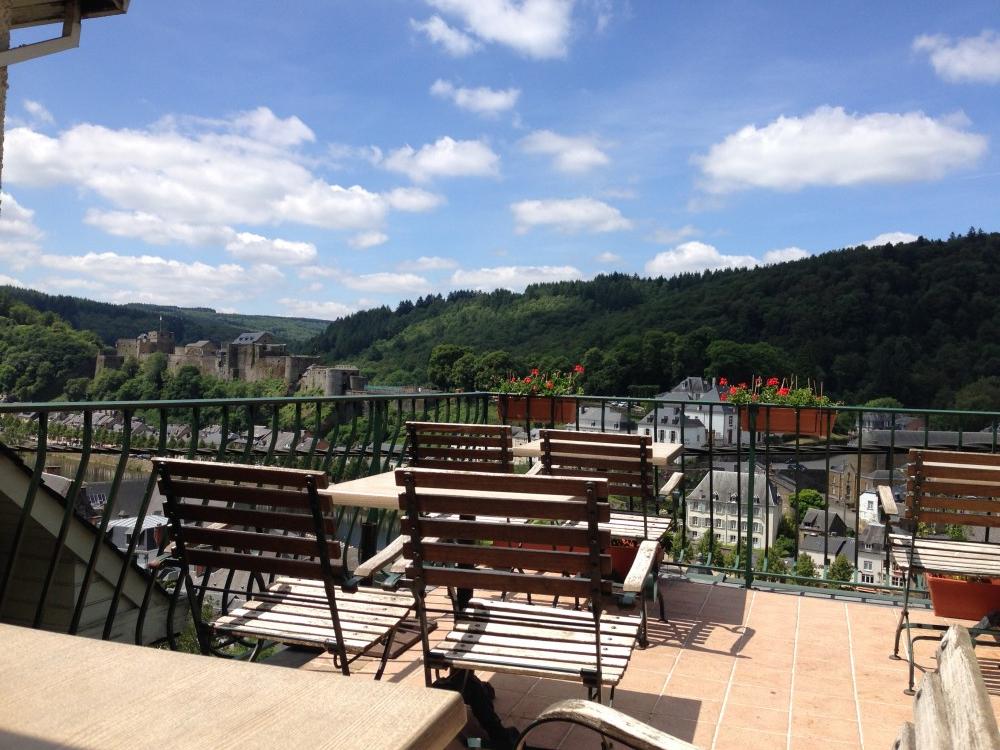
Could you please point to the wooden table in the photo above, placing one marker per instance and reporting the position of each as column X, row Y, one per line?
column 74, row 692
column 663, row 453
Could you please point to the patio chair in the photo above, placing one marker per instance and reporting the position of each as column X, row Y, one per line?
column 268, row 523
column 481, row 552
column 441, row 445
column 462, row 447
column 625, row 461
column 944, row 487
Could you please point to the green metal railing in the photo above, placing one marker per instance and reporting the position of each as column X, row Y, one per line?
column 351, row 436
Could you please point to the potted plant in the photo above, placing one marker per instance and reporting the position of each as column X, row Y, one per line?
column 536, row 396
column 786, row 407
column 963, row 597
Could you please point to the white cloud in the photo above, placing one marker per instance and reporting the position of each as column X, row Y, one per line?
column 191, row 171
column 413, row 200
column 785, row 254
column 19, row 235
column 832, row 147
column 573, row 215
column 150, row 278
column 309, row 309
column 446, row 157
column 482, row 100
column 263, row 125
column 155, row 229
column 365, row 240
column 515, row 278
column 971, row 59
column 535, row 28
column 254, row 248
column 890, row 238
column 609, row 258
column 38, row 113
column 670, row 236
column 9, row 281
column 429, row 263
column 694, row 257
column 571, row 154
column 455, row 43
column 385, row 282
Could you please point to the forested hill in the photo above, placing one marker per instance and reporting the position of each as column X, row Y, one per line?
column 111, row 322
column 918, row 322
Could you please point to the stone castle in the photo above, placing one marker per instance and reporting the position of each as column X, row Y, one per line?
column 252, row 357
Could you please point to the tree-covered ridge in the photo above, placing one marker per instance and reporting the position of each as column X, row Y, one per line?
column 39, row 351
column 918, row 322
column 111, row 322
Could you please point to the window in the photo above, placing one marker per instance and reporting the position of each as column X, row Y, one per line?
column 871, row 505
column 718, row 537
column 743, row 526
column 756, row 512
column 732, row 525
column 661, row 436
column 695, row 521
column 897, row 580
column 673, row 436
column 718, row 523
column 867, row 578
column 867, row 565
column 645, row 431
column 732, row 538
column 756, row 541
column 758, row 528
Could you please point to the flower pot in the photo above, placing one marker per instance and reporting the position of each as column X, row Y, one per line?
column 622, row 559
column 781, row 419
column 962, row 599
column 540, row 409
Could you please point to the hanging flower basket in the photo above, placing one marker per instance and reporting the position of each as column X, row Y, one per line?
column 962, row 598
column 540, row 409
column 780, row 419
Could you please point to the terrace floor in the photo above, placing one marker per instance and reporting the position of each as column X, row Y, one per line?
column 740, row 669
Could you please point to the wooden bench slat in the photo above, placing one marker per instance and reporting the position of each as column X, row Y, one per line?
column 239, row 472
column 254, row 563
column 236, row 540
column 557, row 510
column 263, row 519
column 519, row 582
column 509, row 557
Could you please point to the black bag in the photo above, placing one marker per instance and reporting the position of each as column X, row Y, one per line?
column 478, row 696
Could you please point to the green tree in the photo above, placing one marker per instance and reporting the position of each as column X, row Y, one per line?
column 775, row 563
column 805, row 567
column 440, row 366
column 841, row 569
column 804, row 499
column 463, row 372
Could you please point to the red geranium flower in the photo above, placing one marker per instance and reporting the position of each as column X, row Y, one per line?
column 772, row 381
column 782, row 391
column 723, row 381
column 578, row 369
column 549, row 384
column 534, row 371
column 527, row 378
column 723, row 396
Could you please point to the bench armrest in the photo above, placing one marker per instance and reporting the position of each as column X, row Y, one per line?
column 536, row 468
column 887, row 500
column 380, row 559
column 612, row 723
column 649, row 555
column 672, row 482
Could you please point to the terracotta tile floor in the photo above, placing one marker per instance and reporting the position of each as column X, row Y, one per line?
column 742, row 669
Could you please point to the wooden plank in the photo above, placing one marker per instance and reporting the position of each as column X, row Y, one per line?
column 245, row 494
column 906, row 739
column 490, row 455
column 254, row 563
column 612, row 634
column 955, row 457
column 955, row 487
column 461, row 428
column 593, row 437
column 261, row 519
column 966, row 704
column 625, row 456
column 380, row 559
column 538, row 659
column 517, row 582
column 288, row 633
column 540, row 508
column 510, row 483
column 650, row 553
column 561, row 614
column 885, row 496
column 178, row 467
column 347, row 607
column 451, row 464
column 930, row 503
column 248, row 540
column 930, row 718
column 964, row 519
column 495, row 556
column 962, row 472
column 452, row 528
column 672, row 483
column 314, row 587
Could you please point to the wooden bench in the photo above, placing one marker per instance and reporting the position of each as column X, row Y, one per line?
column 952, row 708
column 461, row 447
column 944, row 488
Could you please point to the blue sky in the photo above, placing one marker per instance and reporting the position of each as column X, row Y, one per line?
column 315, row 158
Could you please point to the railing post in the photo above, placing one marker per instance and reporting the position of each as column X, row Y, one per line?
column 751, row 463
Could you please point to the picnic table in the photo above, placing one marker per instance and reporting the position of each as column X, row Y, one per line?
column 69, row 691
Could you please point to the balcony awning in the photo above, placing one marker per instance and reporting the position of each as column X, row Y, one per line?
column 35, row 12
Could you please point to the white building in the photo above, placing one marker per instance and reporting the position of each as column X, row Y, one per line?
column 703, row 406
column 721, row 511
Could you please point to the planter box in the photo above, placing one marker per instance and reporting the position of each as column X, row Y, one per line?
column 782, row 420
column 963, row 600
column 542, row 409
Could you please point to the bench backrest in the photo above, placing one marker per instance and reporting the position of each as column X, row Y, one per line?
column 953, row 487
column 461, row 447
column 259, row 519
column 495, row 525
column 624, row 460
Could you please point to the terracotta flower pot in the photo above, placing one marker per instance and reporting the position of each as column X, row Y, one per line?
column 622, row 559
column 963, row 600
column 540, row 409
column 782, row 420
